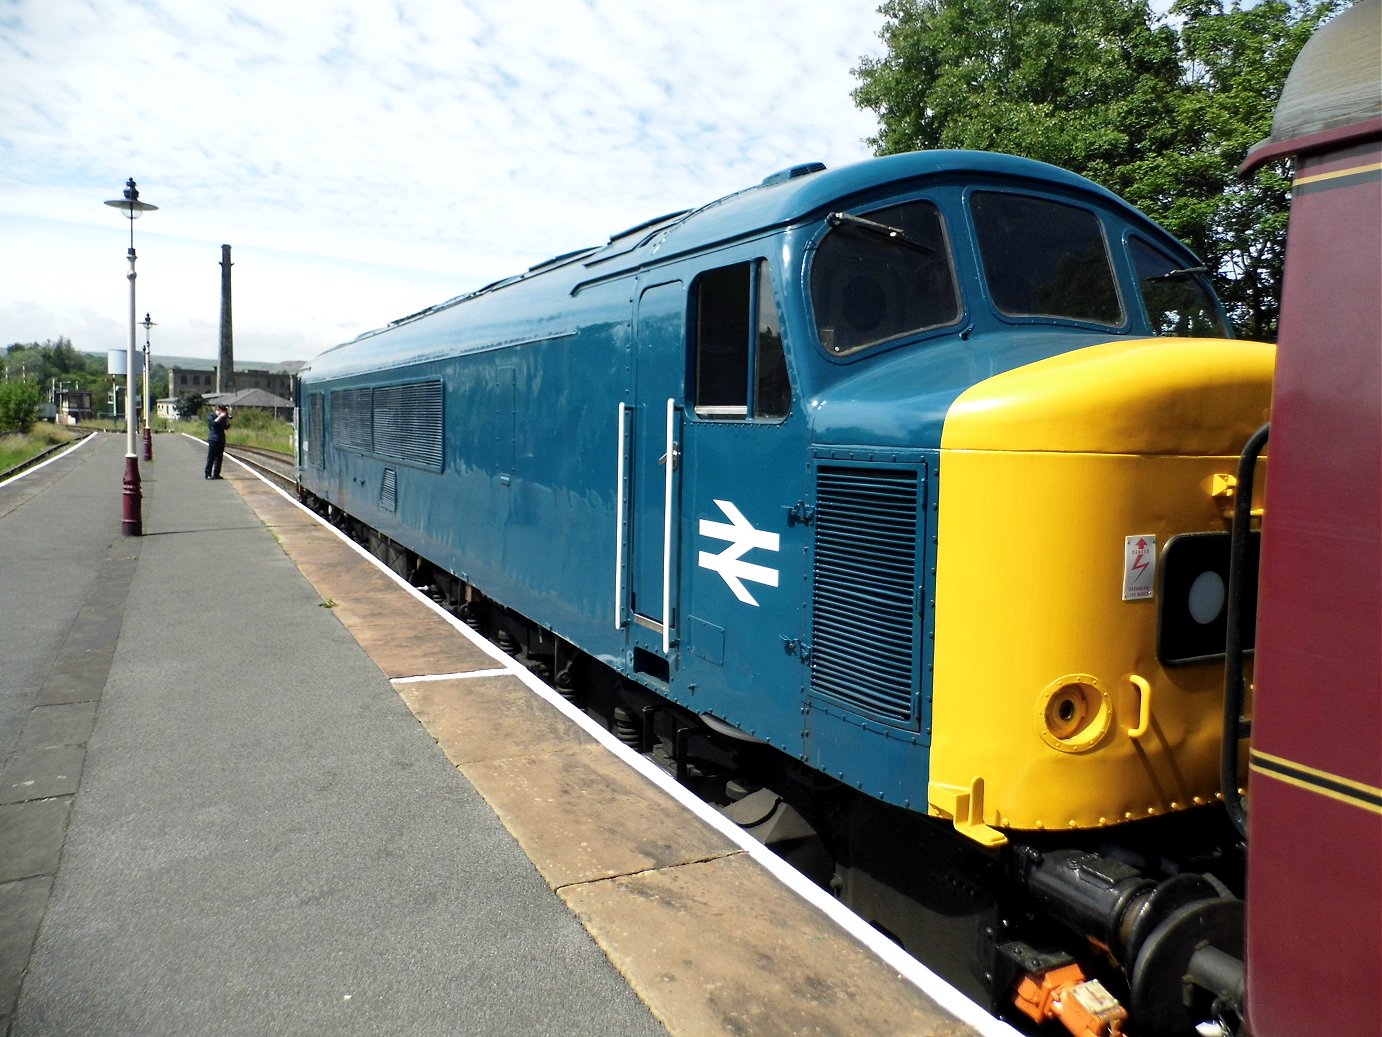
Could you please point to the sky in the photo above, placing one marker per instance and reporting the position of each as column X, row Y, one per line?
column 367, row 158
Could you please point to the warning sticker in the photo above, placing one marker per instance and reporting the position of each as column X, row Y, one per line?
column 1139, row 567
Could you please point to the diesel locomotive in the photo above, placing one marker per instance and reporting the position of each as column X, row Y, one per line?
column 890, row 505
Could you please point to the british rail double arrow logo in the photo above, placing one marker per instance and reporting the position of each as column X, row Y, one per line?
column 742, row 538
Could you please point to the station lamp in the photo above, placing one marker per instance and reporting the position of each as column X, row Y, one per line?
column 132, row 521
column 148, row 432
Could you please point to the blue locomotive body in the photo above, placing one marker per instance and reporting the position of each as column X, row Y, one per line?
column 519, row 436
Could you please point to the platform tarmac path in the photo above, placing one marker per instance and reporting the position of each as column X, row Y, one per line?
column 252, row 784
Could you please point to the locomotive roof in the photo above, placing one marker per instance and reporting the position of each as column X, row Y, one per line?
column 778, row 200
column 1332, row 93
column 795, row 194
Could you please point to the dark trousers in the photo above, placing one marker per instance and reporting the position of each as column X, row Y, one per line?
column 214, row 450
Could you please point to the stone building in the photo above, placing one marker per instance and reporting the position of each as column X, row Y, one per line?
column 191, row 376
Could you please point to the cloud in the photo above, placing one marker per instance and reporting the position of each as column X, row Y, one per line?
column 453, row 137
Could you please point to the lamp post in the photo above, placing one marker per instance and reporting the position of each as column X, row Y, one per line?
column 132, row 521
column 148, row 433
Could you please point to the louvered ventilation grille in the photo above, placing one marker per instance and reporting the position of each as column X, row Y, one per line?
column 864, row 627
column 407, row 423
column 388, row 492
column 316, row 454
column 350, row 419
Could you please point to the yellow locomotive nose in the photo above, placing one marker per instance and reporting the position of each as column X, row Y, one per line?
column 1061, row 485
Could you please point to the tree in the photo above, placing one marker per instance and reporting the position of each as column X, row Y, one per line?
column 18, row 406
column 58, row 364
column 48, row 360
column 1160, row 113
column 1235, row 63
column 190, row 404
column 1039, row 77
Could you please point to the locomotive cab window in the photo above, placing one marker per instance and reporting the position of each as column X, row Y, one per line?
column 1045, row 259
column 1177, row 299
column 882, row 275
column 739, row 366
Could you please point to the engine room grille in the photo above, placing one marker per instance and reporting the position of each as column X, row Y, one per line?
column 863, row 638
column 408, row 423
column 350, row 419
column 315, row 449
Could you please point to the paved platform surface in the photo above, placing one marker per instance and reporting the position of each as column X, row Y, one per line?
column 249, row 784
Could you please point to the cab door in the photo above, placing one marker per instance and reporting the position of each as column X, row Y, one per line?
column 746, row 510
column 651, row 454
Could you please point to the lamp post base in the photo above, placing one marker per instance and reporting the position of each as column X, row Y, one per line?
column 148, row 443
column 132, row 522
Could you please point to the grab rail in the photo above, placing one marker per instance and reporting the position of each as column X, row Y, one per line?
column 1235, row 689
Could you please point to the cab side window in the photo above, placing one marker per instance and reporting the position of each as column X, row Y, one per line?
column 739, row 370
column 1177, row 299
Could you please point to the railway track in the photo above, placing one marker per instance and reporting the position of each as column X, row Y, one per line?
column 272, row 464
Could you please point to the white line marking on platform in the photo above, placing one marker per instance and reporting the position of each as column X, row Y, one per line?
column 420, row 678
column 44, row 464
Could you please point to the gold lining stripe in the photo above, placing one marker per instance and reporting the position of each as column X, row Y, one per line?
column 1326, row 775
column 1372, row 167
column 1334, row 786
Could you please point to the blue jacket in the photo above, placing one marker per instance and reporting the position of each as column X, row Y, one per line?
column 216, row 426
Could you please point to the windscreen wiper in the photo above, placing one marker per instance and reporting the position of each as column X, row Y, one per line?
column 897, row 234
column 1184, row 274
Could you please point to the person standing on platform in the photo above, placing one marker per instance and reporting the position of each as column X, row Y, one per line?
column 216, row 425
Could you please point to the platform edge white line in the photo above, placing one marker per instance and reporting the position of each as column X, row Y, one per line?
column 44, row 464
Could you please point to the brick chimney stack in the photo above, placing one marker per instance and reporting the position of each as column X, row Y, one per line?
column 225, row 370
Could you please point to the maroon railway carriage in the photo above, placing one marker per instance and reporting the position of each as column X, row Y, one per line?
column 1314, row 924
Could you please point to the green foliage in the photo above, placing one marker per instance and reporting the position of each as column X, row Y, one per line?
column 251, row 426
column 190, row 404
column 1160, row 113
column 1045, row 77
column 42, row 362
column 49, row 362
column 16, row 448
column 18, row 406
column 1236, row 62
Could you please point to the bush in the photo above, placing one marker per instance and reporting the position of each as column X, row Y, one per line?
column 190, row 404
column 18, row 406
column 254, row 427
column 16, row 448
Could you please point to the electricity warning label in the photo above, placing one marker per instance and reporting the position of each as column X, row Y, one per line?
column 1139, row 567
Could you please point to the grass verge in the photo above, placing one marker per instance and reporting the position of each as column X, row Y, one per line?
column 18, row 447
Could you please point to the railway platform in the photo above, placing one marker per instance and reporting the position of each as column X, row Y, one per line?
column 251, row 782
